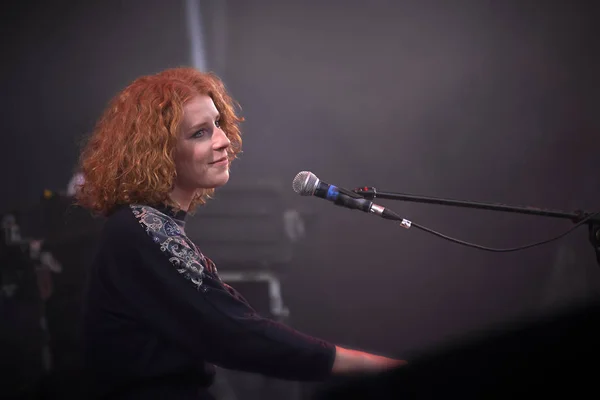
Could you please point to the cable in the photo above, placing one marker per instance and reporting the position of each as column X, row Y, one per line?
column 477, row 246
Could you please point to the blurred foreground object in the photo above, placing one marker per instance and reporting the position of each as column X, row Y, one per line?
column 553, row 356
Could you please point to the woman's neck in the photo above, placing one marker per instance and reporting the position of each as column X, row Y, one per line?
column 183, row 199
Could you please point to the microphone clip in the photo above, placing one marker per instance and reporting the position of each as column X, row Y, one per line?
column 366, row 192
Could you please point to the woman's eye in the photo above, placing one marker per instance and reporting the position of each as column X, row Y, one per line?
column 200, row 133
column 218, row 123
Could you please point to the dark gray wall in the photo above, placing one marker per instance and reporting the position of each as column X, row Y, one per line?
column 475, row 100
column 62, row 62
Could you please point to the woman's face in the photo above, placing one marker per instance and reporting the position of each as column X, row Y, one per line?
column 200, row 154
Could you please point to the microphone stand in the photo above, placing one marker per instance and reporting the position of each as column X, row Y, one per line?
column 593, row 219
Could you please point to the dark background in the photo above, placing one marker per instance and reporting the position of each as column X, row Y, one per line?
column 474, row 100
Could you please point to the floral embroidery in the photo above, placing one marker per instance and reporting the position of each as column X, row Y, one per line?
column 181, row 251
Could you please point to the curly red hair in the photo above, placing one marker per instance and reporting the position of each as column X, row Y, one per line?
column 129, row 156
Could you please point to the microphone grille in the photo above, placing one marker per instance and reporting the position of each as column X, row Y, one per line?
column 305, row 183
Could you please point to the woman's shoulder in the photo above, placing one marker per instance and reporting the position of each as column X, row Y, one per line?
column 141, row 226
column 122, row 223
column 137, row 218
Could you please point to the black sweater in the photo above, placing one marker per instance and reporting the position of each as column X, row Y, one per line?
column 158, row 317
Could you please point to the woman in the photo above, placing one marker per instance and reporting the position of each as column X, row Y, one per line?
column 157, row 315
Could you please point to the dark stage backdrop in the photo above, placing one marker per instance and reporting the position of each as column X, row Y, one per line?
column 486, row 101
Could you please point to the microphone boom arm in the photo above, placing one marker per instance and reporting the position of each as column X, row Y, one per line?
column 593, row 219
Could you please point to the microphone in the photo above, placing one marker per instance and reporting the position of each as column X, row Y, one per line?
column 307, row 184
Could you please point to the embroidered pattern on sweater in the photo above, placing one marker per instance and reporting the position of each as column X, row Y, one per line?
column 180, row 250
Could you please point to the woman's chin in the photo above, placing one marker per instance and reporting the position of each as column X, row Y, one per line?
column 221, row 180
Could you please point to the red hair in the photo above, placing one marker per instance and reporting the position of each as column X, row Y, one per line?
column 129, row 156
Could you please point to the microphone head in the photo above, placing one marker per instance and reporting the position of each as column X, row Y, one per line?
column 305, row 183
